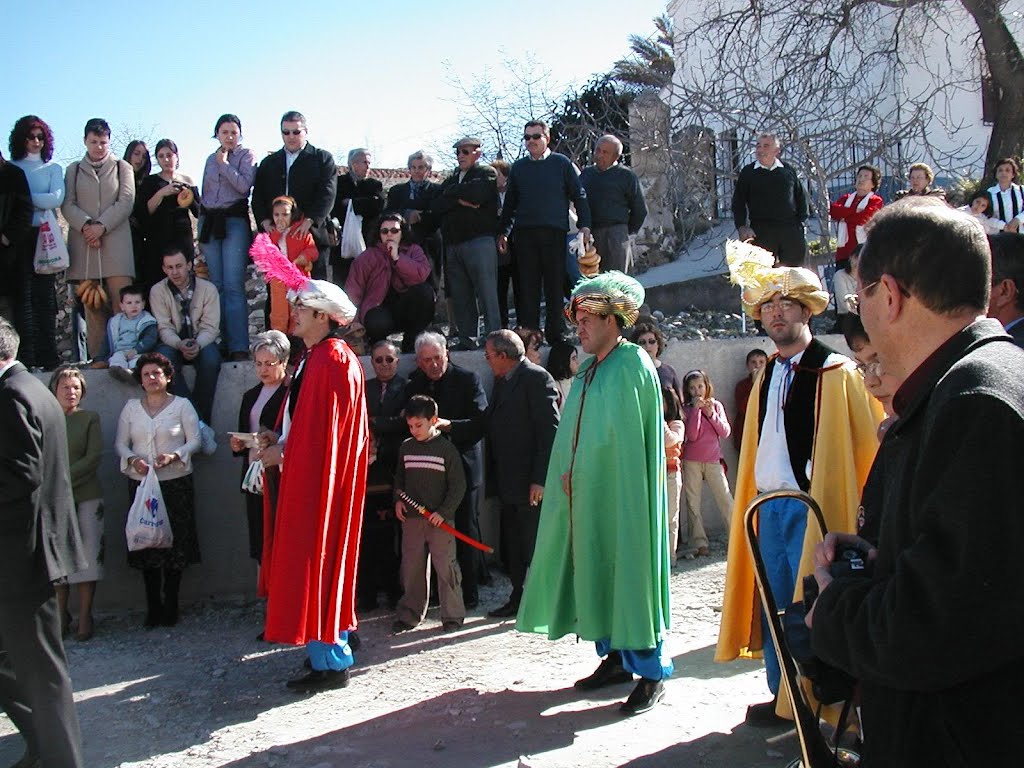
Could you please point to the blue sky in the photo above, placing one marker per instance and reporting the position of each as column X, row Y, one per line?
column 364, row 74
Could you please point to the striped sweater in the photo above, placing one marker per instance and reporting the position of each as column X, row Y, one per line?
column 431, row 472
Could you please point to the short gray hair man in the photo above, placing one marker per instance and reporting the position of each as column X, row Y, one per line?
column 355, row 154
column 430, row 337
column 9, row 341
column 419, row 154
column 507, row 343
column 614, row 141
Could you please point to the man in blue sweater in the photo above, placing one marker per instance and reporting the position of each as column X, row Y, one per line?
column 540, row 188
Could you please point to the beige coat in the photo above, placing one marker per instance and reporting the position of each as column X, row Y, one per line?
column 106, row 197
column 205, row 312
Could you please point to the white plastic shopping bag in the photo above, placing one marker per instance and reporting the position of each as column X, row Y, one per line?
column 148, row 526
column 352, row 242
column 51, row 251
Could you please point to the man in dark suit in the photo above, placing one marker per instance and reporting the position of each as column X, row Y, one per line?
column 468, row 211
column 367, row 196
column 461, row 404
column 521, row 421
column 1007, row 302
column 413, row 199
column 303, row 172
column 378, row 555
column 39, row 542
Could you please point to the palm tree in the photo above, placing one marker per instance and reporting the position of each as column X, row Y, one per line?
column 653, row 63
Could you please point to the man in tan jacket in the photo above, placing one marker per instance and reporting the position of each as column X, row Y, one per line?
column 187, row 312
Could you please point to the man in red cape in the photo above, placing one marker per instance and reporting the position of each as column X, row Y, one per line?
column 313, row 550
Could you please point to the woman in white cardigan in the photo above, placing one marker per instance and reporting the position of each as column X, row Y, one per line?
column 159, row 433
column 1007, row 197
column 100, row 194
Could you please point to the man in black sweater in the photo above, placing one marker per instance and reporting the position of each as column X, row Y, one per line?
column 769, row 205
column 540, row 188
column 617, row 205
column 468, row 209
column 303, row 172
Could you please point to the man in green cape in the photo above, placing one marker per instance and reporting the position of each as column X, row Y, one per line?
column 601, row 564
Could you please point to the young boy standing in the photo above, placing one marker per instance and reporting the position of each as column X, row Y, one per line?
column 430, row 471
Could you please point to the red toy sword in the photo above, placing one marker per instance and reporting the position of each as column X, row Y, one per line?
column 411, row 503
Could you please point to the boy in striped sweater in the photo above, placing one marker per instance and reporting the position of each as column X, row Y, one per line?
column 429, row 470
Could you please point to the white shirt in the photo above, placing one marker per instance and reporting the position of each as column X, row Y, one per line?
column 1014, row 194
column 772, row 468
column 289, row 159
column 174, row 430
column 547, row 152
column 772, row 167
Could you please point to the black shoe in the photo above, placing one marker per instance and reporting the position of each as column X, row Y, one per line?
column 28, row 760
column 763, row 715
column 644, row 697
column 169, row 616
column 451, row 626
column 153, row 618
column 354, row 643
column 609, row 672
column 318, row 680
column 507, row 611
column 401, row 626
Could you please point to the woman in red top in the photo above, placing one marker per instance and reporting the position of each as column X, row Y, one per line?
column 390, row 285
column 853, row 210
column 300, row 249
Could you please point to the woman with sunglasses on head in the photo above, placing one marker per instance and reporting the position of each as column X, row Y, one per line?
column 259, row 411
column 164, row 208
column 35, row 304
column 390, row 284
column 224, row 230
column 649, row 337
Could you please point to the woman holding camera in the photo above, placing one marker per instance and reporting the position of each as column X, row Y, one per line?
column 164, row 205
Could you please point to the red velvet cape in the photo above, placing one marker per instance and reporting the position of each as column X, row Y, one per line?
column 313, row 548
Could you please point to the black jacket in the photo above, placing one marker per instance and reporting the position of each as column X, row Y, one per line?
column 367, row 198
column 521, row 421
column 460, row 223
column 15, row 215
column 398, row 200
column 39, row 537
column 312, row 181
column 935, row 635
column 388, row 426
column 460, row 399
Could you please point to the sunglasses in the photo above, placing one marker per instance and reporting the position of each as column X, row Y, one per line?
column 534, row 136
column 296, row 132
column 36, row 137
column 466, row 150
column 388, row 360
column 390, row 230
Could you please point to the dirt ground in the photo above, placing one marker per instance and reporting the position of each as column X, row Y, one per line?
column 207, row 693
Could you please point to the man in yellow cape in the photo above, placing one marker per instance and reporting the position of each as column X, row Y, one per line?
column 811, row 426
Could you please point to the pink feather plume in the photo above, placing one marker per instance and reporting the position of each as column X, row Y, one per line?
column 274, row 265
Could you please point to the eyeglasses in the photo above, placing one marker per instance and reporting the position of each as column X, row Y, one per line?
column 390, row 230
column 296, row 132
column 874, row 368
column 269, row 364
column 534, row 136
column 781, row 306
column 648, row 342
column 381, row 360
column 853, row 299
column 36, row 137
column 466, row 150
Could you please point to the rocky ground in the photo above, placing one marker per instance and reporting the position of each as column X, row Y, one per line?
column 206, row 693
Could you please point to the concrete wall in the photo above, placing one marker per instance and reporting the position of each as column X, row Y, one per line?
column 226, row 570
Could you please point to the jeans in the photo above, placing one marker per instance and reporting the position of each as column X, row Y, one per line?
column 780, row 533
column 207, row 365
column 227, row 260
column 473, row 280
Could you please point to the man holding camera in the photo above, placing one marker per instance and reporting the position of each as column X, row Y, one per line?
column 933, row 635
column 810, row 427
